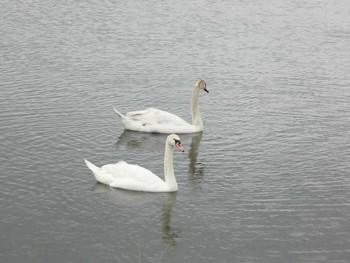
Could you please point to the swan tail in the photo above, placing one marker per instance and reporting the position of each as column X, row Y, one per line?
column 92, row 167
column 100, row 175
column 121, row 116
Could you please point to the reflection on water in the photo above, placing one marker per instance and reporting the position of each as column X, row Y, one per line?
column 169, row 233
column 195, row 169
column 132, row 139
column 124, row 197
column 134, row 199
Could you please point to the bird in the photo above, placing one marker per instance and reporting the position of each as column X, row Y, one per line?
column 136, row 178
column 159, row 121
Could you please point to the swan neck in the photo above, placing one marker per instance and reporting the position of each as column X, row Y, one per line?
column 196, row 115
column 169, row 176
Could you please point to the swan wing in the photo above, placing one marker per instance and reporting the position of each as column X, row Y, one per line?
column 133, row 177
column 153, row 116
column 157, row 121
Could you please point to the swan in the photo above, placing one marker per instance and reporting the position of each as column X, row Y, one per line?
column 159, row 121
column 136, row 178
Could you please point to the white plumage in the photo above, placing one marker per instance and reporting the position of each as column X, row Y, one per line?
column 159, row 121
column 136, row 178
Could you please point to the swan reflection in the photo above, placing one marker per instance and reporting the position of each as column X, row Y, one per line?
column 136, row 199
column 169, row 233
column 195, row 169
column 149, row 141
column 125, row 198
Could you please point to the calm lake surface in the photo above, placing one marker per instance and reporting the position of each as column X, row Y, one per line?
column 268, row 180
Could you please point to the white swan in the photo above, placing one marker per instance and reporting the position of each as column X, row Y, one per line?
column 136, row 178
column 158, row 121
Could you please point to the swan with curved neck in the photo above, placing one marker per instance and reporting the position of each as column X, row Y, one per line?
column 136, row 178
column 159, row 121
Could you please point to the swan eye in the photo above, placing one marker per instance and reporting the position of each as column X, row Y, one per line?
column 177, row 142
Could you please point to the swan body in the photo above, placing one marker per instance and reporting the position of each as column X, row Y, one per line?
column 136, row 178
column 159, row 121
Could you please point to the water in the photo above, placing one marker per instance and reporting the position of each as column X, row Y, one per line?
column 267, row 180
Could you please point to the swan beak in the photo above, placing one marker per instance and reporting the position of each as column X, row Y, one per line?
column 205, row 89
column 179, row 146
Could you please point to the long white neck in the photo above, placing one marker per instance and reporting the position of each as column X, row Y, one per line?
column 169, row 176
column 196, row 115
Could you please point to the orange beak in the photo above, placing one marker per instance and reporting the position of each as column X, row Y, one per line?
column 179, row 146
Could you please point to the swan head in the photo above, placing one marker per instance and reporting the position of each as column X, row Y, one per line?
column 174, row 141
column 202, row 85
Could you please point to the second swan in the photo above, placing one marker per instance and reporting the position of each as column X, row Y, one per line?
column 159, row 121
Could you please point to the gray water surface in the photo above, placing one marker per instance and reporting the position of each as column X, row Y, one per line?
column 267, row 180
